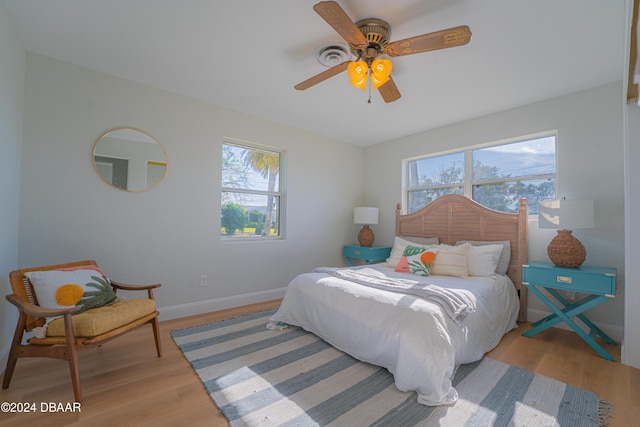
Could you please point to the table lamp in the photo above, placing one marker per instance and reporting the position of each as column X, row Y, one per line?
column 365, row 216
column 565, row 250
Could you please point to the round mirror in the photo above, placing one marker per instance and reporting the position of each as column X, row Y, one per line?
column 129, row 159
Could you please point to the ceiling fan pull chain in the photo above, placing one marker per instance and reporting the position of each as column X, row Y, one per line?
column 369, row 84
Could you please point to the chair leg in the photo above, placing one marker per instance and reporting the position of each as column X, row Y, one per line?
column 72, row 357
column 14, row 351
column 75, row 374
column 156, row 335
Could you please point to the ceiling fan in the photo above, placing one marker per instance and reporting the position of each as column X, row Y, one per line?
column 368, row 40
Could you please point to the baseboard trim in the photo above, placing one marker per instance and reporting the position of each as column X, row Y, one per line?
column 614, row 331
column 208, row 306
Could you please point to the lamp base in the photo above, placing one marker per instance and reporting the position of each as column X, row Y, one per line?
column 565, row 250
column 366, row 236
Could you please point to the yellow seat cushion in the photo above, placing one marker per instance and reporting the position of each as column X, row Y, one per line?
column 98, row 321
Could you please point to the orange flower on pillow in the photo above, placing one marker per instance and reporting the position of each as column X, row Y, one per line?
column 69, row 294
column 427, row 257
column 420, row 263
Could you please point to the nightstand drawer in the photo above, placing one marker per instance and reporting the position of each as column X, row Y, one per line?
column 591, row 280
column 368, row 254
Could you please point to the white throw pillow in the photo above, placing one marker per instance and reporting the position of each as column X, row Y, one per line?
column 505, row 256
column 68, row 288
column 483, row 260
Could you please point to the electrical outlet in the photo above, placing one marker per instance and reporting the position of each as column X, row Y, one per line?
column 203, row 280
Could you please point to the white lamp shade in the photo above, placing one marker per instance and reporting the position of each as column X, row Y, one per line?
column 566, row 214
column 365, row 215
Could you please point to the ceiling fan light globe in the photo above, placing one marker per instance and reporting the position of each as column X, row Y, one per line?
column 380, row 72
column 357, row 71
column 378, row 82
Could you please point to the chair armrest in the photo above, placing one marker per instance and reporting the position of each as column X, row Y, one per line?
column 125, row 287
column 37, row 311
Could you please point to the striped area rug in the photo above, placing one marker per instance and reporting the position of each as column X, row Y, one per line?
column 291, row 377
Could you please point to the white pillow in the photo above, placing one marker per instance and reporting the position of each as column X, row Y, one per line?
column 483, row 260
column 451, row 261
column 505, row 256
column 400, row 243
column 53, row 290
column 422, row 240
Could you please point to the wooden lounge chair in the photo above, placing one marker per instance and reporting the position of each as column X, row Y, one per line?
column 92, row 327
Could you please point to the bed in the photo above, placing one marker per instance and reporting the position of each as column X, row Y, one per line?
column 422, row 328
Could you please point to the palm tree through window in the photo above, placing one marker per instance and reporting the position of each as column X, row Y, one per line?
column 251, row 192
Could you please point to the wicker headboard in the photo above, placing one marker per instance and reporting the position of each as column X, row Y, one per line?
column 453, row 217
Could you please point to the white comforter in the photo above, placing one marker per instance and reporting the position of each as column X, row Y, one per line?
column 410, row 336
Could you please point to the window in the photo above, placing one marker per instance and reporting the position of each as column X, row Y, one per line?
column 495, row 176
column 251, row 192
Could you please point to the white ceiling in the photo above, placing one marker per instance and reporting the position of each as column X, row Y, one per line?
column 248, row 54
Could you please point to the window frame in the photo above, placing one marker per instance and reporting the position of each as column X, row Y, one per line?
column 468, row 182
column 279, row 194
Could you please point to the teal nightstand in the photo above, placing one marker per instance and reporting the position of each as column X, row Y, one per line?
column 367, row 254
column 598, row 282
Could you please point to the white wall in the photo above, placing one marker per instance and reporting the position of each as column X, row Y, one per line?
column 631, row 345
column 170, row 234
column 12, row 65
column 590, row 165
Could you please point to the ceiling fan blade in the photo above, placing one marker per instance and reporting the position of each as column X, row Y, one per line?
column 318, row 78
column 335, row 16
column 456, row 36
column 389, row 91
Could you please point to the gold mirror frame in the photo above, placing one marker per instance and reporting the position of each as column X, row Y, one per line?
column 130, row 159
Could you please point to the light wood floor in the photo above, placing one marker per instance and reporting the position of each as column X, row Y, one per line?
column 125, row 384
